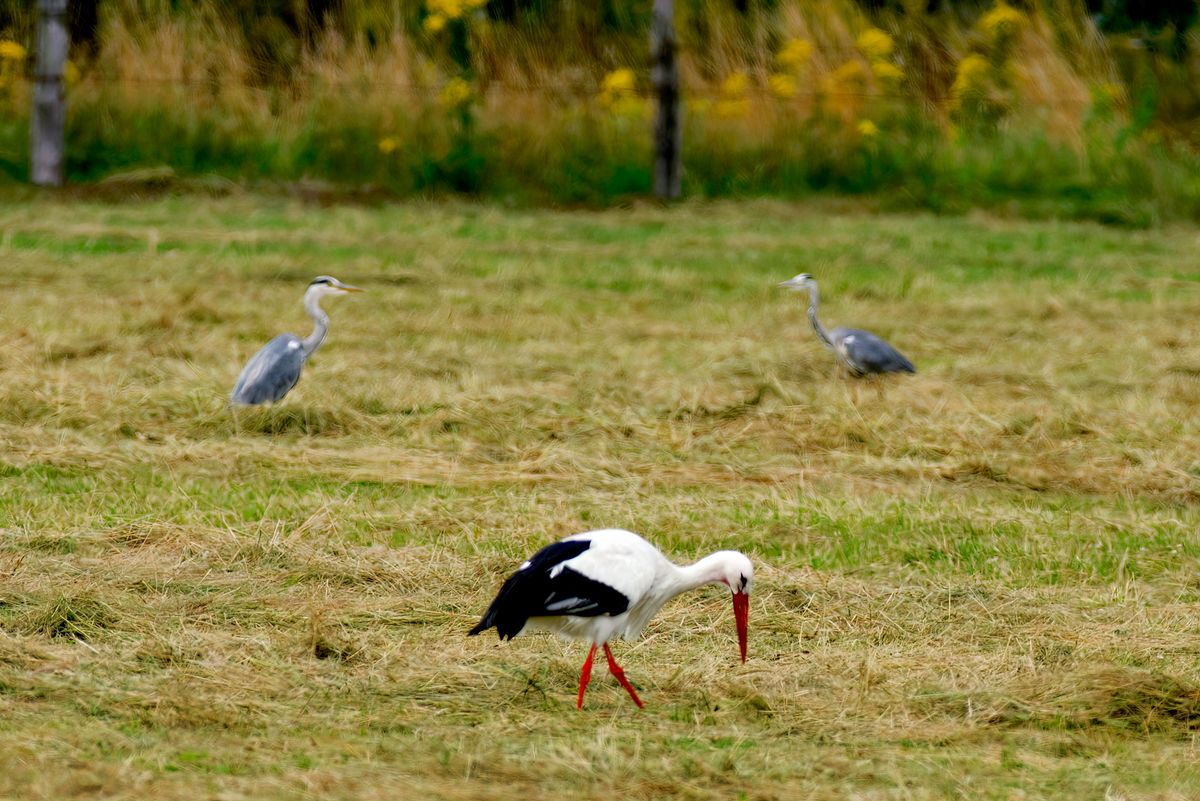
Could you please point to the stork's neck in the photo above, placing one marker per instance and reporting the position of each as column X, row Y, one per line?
column 814, row 299
column 709, row 570
column 671, row 580
column 312, row 305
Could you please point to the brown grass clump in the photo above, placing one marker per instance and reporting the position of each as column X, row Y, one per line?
column 79, row 617
column 1127, row 699
column 1138, row 699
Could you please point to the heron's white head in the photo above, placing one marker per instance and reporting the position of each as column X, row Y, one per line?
column 798, row 284
column 737, row 573
column 324, row 285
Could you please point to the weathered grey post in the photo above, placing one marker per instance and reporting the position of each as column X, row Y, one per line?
column 664, row 75
column 49, row 95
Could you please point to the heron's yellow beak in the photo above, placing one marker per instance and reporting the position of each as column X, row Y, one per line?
column 348, row 288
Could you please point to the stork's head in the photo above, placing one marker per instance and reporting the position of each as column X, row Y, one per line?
column 737, row 573
column 798, row 284
column 324, row 285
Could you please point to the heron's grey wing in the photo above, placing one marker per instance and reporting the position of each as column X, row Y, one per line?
column 869, row 354
column 272, row 372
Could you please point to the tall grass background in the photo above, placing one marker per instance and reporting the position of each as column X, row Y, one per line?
column 1034, row 107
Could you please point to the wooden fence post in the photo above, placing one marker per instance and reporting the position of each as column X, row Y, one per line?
column 49, row 95
column 664, row 75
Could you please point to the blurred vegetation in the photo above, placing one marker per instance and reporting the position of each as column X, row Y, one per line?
column 1074, row 108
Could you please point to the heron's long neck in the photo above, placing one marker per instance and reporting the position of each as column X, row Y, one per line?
column 814, row 299
column 320, row 323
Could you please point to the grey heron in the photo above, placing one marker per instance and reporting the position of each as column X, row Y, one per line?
column 275, row 369
column 860, row 352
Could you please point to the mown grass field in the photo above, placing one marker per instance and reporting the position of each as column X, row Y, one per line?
column 980, row 582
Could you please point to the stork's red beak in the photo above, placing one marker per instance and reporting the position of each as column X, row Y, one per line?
column 741, row 614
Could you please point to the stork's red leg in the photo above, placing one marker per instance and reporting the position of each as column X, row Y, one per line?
column 615, row 669
column 585, row 675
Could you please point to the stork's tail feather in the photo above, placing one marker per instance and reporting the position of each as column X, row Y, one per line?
column 505, row 627
column 484, row 625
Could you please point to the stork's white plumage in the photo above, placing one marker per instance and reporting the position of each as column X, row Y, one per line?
column 603, row 584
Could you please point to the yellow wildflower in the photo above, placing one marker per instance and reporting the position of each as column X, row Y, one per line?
column 700, row 106
column 875, row 44
column 434, row 23
column 970, row 77
column 1002, row 20
column 11, row 51
column 868, row 129
column 447, row 9
column 71, row 73
column 453, row 9
column 732, row 102
column 388, row 145
column 846, row 76
column 734, row 85
column 886, row 71
column 618, row 93
column 782, row 85
column 620, row 81
column 456, row 93
column 795, row 53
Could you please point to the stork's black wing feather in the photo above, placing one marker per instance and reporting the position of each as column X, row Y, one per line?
column 544, row 586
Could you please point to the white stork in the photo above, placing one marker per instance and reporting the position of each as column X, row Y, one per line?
column 600, row 584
